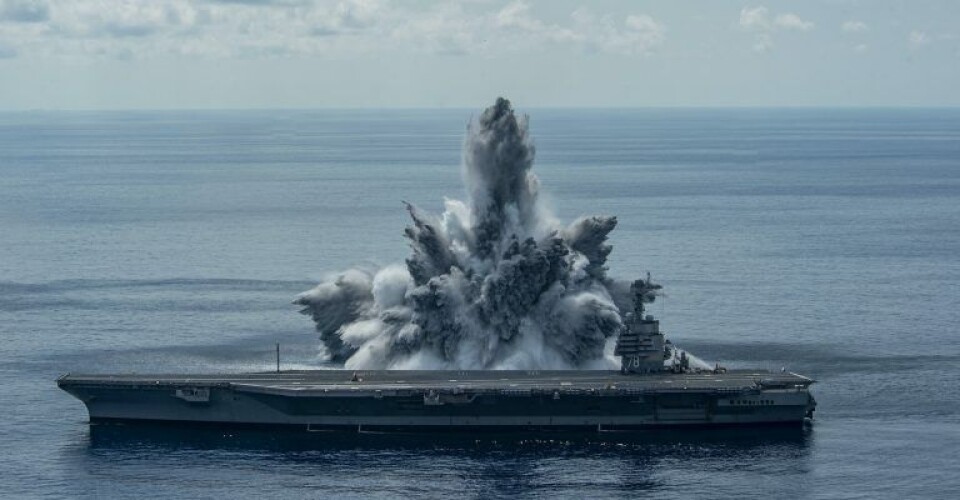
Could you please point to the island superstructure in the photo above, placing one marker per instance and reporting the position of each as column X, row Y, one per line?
column 655, row 387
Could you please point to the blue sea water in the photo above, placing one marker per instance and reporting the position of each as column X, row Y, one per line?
column 824, row 241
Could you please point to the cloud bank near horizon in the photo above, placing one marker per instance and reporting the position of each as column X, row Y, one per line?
column 122, row 54
column 284, row 28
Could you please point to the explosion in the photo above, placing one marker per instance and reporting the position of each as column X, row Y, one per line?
column 495, row 282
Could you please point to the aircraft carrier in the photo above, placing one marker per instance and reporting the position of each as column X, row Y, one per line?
column 655, row 387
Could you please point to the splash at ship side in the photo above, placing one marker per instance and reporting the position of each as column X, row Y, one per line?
column 494, row 282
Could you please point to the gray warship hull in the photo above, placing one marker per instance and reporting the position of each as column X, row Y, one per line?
column 322, row 400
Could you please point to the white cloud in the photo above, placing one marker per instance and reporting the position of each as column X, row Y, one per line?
column 269, row 28
column 517, row 15
column 646, row 24
column 758, row 21
column 755, row 18
column 792, row 21
column 120, row 18
column 860, row 48
column 919, row 38
column 263, row 3
column 635, row 34
column 445, row 30
column 346, row 17
column 853, row 27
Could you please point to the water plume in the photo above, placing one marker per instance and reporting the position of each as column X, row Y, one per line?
column 494, row 282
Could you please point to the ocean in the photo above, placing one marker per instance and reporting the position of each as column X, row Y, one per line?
column 821, row 241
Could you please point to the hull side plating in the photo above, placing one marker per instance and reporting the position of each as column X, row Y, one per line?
column 417, row 400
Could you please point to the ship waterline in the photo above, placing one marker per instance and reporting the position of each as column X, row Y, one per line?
column 449, row 400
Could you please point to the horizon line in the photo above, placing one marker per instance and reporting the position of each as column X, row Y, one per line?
column 951, row 107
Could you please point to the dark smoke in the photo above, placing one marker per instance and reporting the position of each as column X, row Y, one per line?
column 493, row 283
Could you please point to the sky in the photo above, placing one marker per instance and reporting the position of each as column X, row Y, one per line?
column 302, row 54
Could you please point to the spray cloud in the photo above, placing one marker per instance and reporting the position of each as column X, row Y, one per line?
column 494, row 282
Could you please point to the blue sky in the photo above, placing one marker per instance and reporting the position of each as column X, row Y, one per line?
column 178, row 54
